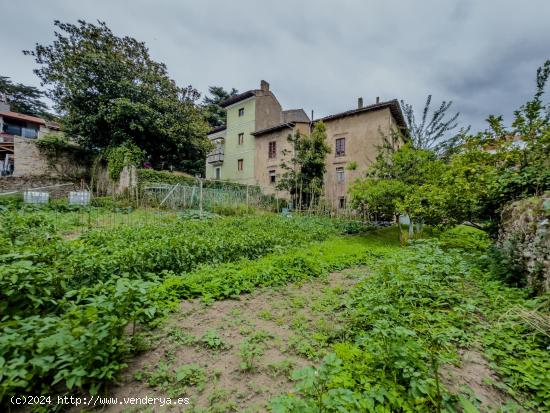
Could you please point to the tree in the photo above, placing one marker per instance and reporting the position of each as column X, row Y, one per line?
column 473, row 185
column 399, row 182
column 112, row 93
column 303, row 177
column 433, row 130
column 507, row 164
column 213, row 113
column 23, row 98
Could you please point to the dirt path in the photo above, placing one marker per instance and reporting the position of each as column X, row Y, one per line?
column 238, row 353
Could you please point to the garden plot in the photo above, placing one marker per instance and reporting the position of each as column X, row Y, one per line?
column 239, row 353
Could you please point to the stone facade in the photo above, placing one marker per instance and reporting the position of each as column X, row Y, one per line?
column 58, row 188
column 353, row 136
column 31, row 161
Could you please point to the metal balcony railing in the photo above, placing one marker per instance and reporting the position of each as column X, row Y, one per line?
column 215, row 157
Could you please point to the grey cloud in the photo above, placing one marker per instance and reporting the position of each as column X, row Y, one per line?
column 320, row 55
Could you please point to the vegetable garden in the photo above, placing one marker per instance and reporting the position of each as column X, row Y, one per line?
column 75, row 312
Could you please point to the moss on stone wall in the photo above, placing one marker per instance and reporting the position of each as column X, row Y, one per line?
column 524, row 242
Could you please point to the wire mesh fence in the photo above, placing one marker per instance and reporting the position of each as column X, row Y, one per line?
column 76, row 210
column 73, row 210
column 180, row 196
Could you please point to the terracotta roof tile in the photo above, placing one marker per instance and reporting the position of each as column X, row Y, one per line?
column 21, row 116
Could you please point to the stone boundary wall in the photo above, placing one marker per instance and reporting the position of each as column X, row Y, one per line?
column 59, row 188
column 30, row 161
column 524, row 239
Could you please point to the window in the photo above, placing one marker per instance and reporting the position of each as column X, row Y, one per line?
column 340, row 146
column 340, row 174
column 272, row 177
column 342, row 202
column 19, row 128
column 272, row 152
column 241, row 112
column 240, row 164
column 218, row 173
column 241, row 138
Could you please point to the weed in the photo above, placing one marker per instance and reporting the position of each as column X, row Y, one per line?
column 282, row 368
column 212, row 341
column 249, row 352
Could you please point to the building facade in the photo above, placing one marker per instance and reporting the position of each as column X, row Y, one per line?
column 354, row 137
column 235, row 147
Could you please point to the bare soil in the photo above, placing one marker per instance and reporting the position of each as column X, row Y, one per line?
column 292, row 326
column 475, row 376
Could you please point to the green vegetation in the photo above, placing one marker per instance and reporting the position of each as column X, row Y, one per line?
column 303, row 173
column 67, row 303
column 112, row 93
column 471, row 181
column 75, row 310
column 23, row 98
column 409, row 317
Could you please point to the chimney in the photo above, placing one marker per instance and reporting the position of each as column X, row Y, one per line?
column 377, row 99
column 264, row 86
column 359, row 103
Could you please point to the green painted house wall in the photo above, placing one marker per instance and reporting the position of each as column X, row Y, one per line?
column 233, row 151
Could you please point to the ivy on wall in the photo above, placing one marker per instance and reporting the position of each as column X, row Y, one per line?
column 120, row 156
column 63, row 156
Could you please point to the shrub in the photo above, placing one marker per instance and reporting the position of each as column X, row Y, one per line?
column 465, row 238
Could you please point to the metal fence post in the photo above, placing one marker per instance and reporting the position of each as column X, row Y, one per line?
column 200, row 198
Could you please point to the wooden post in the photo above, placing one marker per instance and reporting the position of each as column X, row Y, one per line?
column 247, row 198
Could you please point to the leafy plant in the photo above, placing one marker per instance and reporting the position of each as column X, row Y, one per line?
column 211, row 340
column 249, row 352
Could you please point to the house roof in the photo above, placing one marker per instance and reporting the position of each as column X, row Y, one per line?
column 53, row 125
column 295, row 115
column 393, row 105
column 21, row 116
column 274, row 128
column 217, row 129
column 238, row 98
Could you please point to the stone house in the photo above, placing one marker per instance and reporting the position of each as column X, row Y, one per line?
column 353, row 136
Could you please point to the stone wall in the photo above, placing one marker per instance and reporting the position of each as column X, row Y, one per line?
column 524, row 241
column 57, row 187
column 30, row 161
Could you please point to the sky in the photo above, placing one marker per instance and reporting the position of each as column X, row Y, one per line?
column 319, row 55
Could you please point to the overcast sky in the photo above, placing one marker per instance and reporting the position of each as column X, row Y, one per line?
column 319, row 55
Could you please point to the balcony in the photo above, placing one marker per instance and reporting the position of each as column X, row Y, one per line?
column 215, row 158
column 6, row 138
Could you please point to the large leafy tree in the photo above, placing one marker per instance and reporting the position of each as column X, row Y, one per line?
column 303, row 175
column 112, row 93
column 213, row 113
column 23, row 98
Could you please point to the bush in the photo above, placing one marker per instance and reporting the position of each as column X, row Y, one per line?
column 238, row 210
column 465, row 238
